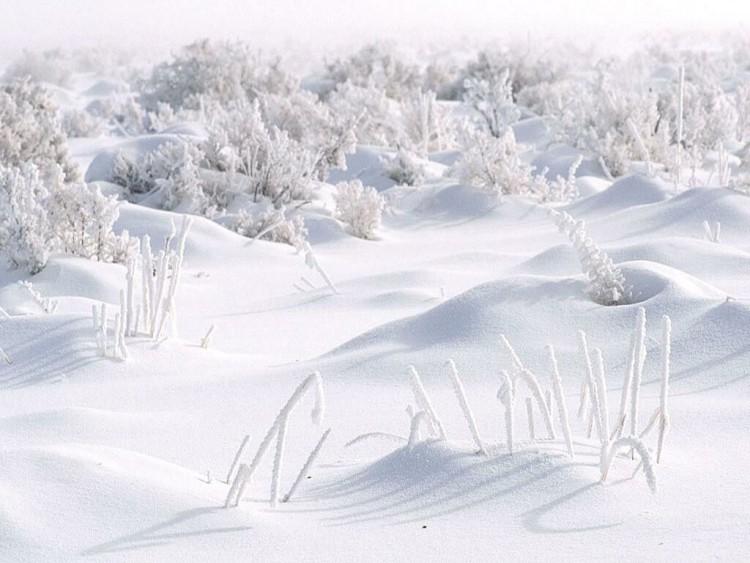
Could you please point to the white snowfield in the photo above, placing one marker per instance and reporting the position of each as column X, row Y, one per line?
column 103, row 459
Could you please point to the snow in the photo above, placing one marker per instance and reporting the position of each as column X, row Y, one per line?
column 109, row 460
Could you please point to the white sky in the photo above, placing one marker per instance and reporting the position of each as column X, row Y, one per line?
column 326, row 23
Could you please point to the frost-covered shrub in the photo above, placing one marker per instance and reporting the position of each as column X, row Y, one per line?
column 31, row 130
column 492, row 99
column 742, row 101
column 427, row 125
column 443, row 76
column 404, row 168
column 39, row 216
column 220, row 71
column 267, row 222
column 47, row 66
column 606, row 280
column 82, row 218
column 560, row 189
column 711, row 116
column 524, row 69
column 80, row 123
column 329, row 136
column 603, row 120
column 25, row 234
column 126, row 116
column 172, row 169
column 380, row 66
column 493, row 164
column 267, row 161
column 359, row 207
column 376, row 115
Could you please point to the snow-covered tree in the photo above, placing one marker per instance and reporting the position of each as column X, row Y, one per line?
column 360, row 207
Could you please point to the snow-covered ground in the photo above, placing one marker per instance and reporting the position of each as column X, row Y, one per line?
column 109, row 460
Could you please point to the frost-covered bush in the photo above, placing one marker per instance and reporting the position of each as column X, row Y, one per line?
column 220, row 71
column 606, row 281
column 426, row 125
column 25, row 233
column 126, row 116
column 492, row 100
column 711, row 116
column 328, row 136
column 47, row 66
column 404, row 168
column 561, row 189
column 261, row 161
column 82, row 219
column 609, row 123
column 360, row 207
column 493, row 164
column 742, row 101
column 172, row 169
column 377, row 115
column 270, row 223
column 39, row 216
column 380, row 66
column 523, row 68
column 80, row 123
column 31, row 130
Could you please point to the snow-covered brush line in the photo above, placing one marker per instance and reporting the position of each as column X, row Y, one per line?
column 424, row 423
column 278, row 431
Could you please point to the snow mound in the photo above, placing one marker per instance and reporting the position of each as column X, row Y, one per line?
column 683, row 215
column 80, row 424
column 696, row 257
column 533, row 131
column 118, row 498
column 558, row 160
column 651, row 279
column 468, row 327
column 106, row 87
column 436, row 480
column 365, row 164
column 629, row 191
column 206, row 239
column 459, row 202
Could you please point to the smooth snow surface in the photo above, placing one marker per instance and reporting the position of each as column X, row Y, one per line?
column 105, row 460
